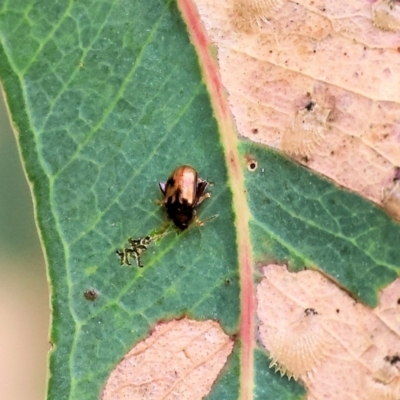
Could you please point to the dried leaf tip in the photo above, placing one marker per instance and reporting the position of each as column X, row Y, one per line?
column 306, row 131
column 386, row 15
column 248, row 14
column 301, row 347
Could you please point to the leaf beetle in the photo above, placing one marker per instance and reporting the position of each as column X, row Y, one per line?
column 183, row 192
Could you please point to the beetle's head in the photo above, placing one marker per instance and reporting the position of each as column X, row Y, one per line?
column 181, row 218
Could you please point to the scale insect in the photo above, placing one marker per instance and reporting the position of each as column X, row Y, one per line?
column 183, row 192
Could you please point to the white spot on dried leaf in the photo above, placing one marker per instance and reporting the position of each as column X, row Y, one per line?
column 181, row 359
column 248, row 14
column 355, row 349
column 386, row 14
column 306, row 131
column 300, row 347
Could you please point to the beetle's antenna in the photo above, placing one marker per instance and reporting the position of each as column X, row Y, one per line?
column 201, row 223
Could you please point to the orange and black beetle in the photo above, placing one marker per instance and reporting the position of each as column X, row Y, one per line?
column 183, row 192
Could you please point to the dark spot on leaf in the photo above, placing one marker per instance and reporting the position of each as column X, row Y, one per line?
column 91, row 294
column 309, row 311
column 252, row 165
column 392, row 359
column 310, row 106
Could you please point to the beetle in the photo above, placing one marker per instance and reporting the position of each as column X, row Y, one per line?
column 183, row 192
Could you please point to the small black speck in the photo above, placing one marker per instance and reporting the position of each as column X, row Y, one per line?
column 337, row 310
column 309, row 311
column 392, row 359
column 395, row 359
column 310, row 106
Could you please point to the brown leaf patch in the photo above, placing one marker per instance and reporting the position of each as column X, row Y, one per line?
column 339, row 348
column 249, row 14
column 332, row 53
column 181, row 359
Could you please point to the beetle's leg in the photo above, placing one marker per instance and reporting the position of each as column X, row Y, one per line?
column 201, row 187
column 162, row 186
column 200, row 199
column 201, row 223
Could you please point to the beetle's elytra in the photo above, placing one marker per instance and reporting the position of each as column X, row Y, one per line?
column 183, row 192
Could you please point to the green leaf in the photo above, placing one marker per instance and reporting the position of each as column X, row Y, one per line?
column 108, row 99
column 307, row 221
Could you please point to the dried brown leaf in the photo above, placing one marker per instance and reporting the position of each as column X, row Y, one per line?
column 181, row 359
column 341, row 349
